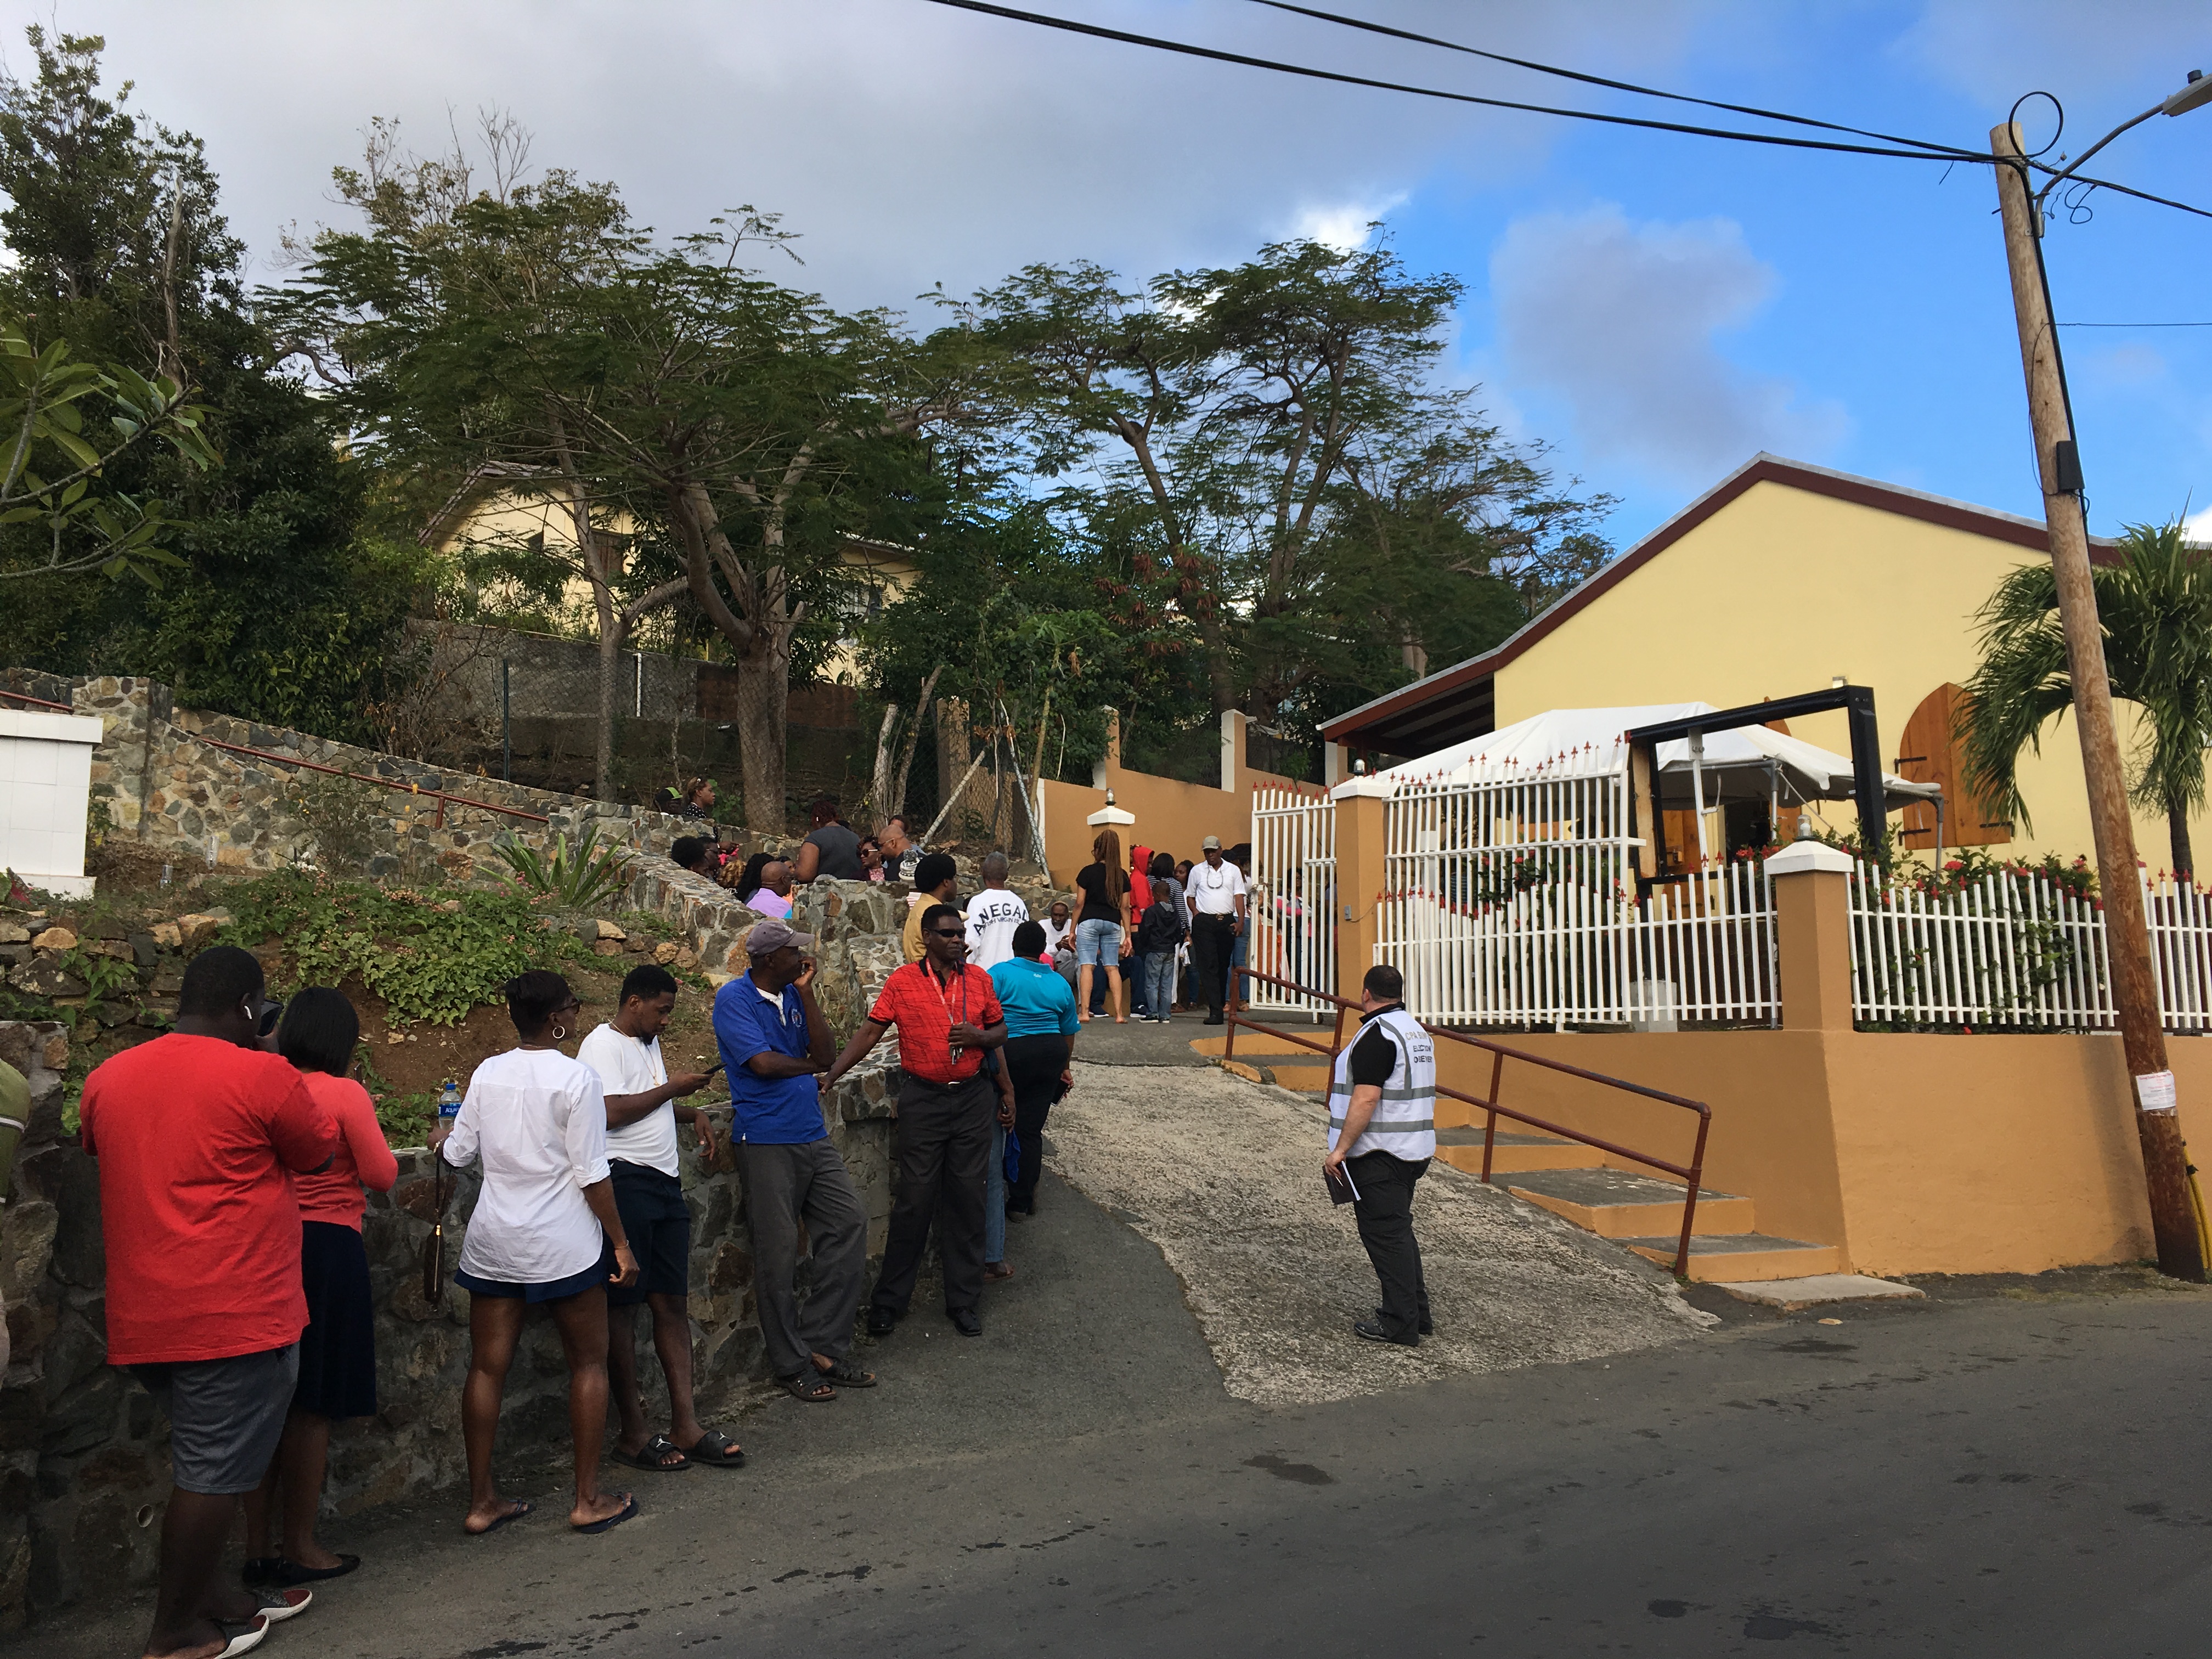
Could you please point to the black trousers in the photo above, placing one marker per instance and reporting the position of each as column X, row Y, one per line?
column 1033, row 1064
column 1384, row 1210
column 943, row 1149
column 1211, row 941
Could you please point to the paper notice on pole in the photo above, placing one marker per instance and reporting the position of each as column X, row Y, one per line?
column 2154, row 1091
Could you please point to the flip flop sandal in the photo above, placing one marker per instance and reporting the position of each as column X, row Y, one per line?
column 655, row 1455
column 627, row 1509
column 240, row 1635
column 258, row 1570
column 718, row 1451
column 277, row 1605
column 514, row 1514
column 847, row 1375
column 807, row 1385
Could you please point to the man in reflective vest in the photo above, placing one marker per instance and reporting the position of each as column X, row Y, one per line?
column 1382, row 1132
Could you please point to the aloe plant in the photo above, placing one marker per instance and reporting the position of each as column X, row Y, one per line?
column 581, row 877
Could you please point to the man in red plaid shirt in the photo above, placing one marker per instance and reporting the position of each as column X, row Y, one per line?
column 947, row 1015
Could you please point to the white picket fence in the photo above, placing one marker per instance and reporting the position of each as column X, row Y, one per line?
column 1513, row 904
column 1293, row 903
column 2016, row 951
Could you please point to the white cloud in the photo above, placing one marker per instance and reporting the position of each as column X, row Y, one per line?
column 2198, row 525
column 1348, row 225
column 1619, row 321
column 908, row 143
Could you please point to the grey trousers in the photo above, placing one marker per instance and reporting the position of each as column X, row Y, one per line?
column 785, row 1185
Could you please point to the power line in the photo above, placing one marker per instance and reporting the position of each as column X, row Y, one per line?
column 1951, row 150
column 2136, row 325
column 1924, row 150
column 1014, row 14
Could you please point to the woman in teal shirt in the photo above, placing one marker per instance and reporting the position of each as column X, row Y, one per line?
column 1040, row 1051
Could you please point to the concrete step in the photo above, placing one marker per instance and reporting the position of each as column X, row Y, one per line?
column 1615, row 1204
column 1742, row 1258
column 1462, row 1148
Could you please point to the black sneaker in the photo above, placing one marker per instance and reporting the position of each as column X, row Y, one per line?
column 881, row 1320
column 966, row 1321
column 1368, row 1330
column 1427, row 1328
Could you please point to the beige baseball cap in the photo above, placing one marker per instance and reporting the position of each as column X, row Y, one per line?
column 1211, row 844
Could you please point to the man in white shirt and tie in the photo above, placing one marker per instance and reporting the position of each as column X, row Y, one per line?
column 1217, row 918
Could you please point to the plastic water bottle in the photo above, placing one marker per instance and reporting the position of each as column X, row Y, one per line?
column 449, row 1104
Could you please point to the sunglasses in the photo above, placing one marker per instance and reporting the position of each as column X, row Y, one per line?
column 948, row 932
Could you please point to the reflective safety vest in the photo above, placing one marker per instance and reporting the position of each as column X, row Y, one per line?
column 1405, row 1121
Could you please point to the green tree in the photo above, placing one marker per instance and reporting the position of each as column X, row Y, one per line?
column 722, row 416
column 2155, row 609
column 281, row 608
column 1325, row 512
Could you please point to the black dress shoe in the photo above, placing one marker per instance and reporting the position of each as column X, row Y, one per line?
column 1371, row 1332
column 966, row 1321
column 881, row 1320
column 1215, row 1019
column 1427, row 1328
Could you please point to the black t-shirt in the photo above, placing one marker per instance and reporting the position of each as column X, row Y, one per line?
column 839, row 853
column 1100, row 902
column 1373, row 1057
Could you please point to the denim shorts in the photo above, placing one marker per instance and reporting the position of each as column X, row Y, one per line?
column 1097, row 943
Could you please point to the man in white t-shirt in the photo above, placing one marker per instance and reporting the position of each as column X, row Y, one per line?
column 993, row 916
column 642, row 1162
column 1217, row 917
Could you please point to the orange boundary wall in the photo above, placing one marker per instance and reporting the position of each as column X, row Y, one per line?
column 1913, row 1152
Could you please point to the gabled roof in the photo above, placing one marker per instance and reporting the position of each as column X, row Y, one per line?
column 1463, row 686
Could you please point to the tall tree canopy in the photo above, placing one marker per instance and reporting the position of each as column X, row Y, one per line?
column 729, row 422
column 1328, row 516
column 281, row 608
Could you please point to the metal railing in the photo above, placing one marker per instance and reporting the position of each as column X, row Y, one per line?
column 1691, row 1175
column 442, row 797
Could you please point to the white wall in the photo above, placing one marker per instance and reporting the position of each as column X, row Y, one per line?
column 46, row 776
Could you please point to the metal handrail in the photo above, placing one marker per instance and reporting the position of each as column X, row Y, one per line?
column 1692, row 1174
column 25, row 696
column 439, row 795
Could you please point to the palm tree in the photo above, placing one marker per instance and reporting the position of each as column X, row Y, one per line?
column 2155, row 605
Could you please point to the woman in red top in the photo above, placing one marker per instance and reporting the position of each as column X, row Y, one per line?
column 338, row 1351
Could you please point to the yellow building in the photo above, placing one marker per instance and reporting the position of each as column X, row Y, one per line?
column 1785, row 578
column 495, row 506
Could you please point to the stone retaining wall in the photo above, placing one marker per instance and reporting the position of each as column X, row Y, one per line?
column 83, row 1449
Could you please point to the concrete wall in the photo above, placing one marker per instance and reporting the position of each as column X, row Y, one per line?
column 1171, row 815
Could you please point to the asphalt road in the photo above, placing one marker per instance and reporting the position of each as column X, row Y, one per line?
column 1979, row 1474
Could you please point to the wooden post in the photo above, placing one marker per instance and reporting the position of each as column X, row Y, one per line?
column 2135, row 987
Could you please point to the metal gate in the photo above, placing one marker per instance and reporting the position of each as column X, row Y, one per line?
column 1293, row 903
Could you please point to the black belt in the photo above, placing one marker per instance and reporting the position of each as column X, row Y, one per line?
column 944, row 1088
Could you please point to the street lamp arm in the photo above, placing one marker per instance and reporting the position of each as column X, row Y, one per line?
column 2058, row 179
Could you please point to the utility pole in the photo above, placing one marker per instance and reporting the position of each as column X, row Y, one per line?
column 2127, row 936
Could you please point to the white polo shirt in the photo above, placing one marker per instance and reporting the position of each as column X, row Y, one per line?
column 1215, row 892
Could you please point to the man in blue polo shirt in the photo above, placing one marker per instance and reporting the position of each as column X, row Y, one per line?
column 774, row 1042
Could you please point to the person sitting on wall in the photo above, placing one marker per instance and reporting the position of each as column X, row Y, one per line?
column 831, row 847
column 871, row 858
column 695, row 799
column 689, row 853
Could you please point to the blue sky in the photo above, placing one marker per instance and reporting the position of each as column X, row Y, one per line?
column 1657, row 308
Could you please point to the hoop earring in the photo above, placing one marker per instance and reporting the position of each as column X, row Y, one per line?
column 560, row 1034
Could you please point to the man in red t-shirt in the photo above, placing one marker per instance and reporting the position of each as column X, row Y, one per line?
column 198, row 1135
column 947, row 1015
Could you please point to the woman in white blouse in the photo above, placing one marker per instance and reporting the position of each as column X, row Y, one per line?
column 545, row 1229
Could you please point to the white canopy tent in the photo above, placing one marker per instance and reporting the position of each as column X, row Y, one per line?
column 1747, row 763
